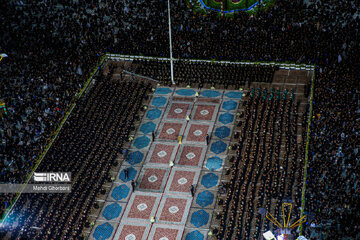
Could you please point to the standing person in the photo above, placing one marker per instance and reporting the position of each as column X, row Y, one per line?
column 192, row 190
column 126, row 173
column 200, row 85
column 207, row 139
column 133, row 185
column 153, row 135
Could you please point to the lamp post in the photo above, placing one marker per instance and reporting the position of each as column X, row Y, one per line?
column 171, row 57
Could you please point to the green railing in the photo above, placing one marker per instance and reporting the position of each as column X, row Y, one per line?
column 307, row 150
column 285, row 65
column 42, row 155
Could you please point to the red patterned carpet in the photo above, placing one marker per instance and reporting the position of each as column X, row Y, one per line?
column 168, row 169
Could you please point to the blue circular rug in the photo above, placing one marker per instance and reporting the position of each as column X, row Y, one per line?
column 210, row 93
column 103, row 231
column 229, row 105
column 153, row 114
column 148, row 127
column 112, row 211
column 214, row 163
column 199, row 218
column 205, row 198
column 222, row 132
column 159, row 101
column 226, row 118
column 195, row 235
column 185, row 92
column 131, row 174
column 218, row 147
column 163, row 90
column 209, row 180
column 120, row 192
column 134, row 158
column 141, row 142
column 236, row 95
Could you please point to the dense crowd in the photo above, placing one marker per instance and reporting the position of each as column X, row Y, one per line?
column 197, row 74
column 333, row 175
column 52, row 45
column 262, row 174
column 88, row 148
column 46, row 67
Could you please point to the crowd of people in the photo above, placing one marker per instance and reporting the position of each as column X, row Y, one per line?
column 87, row 147
column 46, row 67
column 53, row 44
column 333, row 175
column 197, row 74
column 262, row 174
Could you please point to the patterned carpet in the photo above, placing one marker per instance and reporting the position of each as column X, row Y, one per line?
column 192, row 134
